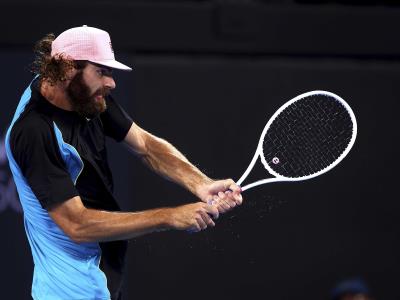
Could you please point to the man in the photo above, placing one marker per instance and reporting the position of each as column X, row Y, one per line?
column 56, row 149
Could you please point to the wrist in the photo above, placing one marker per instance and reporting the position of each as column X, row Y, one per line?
column 166, row 219
column 202, row 189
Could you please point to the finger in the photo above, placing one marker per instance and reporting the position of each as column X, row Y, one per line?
column 227, row 183
column 222, row 203
column 234, row 187
column 225, row 205
column 228, row 198
column 200, row 222
column 207, row 219
column 224, row 197
column 212, row 210
column 237, row 198
column 236, row 191
column 231, row 186
column 220, row 208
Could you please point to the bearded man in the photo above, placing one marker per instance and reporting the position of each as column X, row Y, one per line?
column 56, row 150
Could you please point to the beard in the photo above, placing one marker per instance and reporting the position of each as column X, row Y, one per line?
column 83, row 101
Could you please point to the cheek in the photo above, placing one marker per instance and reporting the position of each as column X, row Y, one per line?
column 91, row 83
column 92, row 89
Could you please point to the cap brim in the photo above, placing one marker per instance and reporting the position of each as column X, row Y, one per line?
column 112, row 64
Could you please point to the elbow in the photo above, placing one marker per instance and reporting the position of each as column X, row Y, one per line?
column 78, row 237
column 77, row 234
column 77, row 231
column 73, row 219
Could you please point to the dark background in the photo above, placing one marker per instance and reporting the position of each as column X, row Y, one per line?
column 207, row 77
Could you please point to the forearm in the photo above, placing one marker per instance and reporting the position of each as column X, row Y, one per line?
column 100, row 226
column 166, row 160
column 88, row 225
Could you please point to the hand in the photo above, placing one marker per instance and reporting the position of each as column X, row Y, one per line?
column 224, row 194
column 193, row 217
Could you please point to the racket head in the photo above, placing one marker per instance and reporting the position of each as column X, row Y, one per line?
column 303, row 154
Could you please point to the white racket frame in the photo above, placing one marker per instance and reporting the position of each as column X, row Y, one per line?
column 278, row 177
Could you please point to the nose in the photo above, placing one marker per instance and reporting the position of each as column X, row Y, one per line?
column 109, row 82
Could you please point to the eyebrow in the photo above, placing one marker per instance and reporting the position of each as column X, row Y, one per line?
column 108, row 70
column 103, row 68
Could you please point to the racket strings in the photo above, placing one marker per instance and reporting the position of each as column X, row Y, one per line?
column 307, row 136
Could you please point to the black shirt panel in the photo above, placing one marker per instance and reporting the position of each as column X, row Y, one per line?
column 91, row 189
column 115, row 120
column 35, row 149
column 113, row 264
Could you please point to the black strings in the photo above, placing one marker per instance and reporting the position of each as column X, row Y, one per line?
column 307, row 136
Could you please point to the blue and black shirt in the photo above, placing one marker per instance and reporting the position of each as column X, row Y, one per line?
column 54, row 156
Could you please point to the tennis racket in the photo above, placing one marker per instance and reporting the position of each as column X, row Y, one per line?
column 306, row 137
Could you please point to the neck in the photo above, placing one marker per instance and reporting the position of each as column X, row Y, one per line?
column 56, row 94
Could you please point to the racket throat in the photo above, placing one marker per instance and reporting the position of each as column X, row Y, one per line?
column 255, row 169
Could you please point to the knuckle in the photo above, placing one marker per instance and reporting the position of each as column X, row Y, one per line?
column 196, row 225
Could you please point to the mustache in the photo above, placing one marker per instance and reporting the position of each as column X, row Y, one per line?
column 104, row 91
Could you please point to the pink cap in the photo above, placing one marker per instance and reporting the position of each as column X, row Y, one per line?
column 87, row 43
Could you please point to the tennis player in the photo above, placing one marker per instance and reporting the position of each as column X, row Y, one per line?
column 56, row 150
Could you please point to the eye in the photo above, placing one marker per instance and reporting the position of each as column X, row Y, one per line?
column 104, row 72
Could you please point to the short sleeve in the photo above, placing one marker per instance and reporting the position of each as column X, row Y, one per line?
column 35, row 150
column 116, row 121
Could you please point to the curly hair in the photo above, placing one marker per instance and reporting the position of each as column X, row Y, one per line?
column 52, row 69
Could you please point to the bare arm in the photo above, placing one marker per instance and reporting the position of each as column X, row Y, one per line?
column 165, row 159
column 89, row 225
